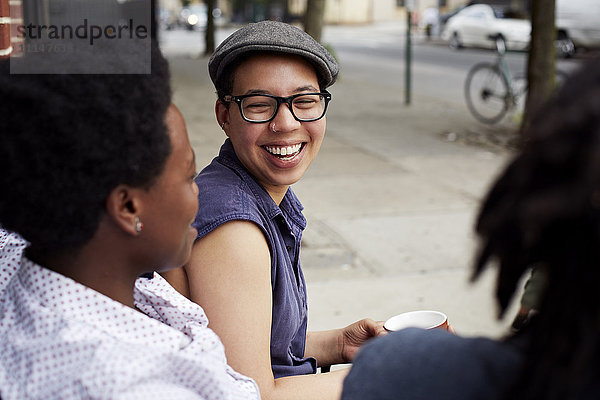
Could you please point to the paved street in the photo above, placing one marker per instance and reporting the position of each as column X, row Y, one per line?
column 391, row 198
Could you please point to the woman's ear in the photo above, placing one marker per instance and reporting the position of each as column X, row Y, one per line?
column 222, row 113
column 123, row 206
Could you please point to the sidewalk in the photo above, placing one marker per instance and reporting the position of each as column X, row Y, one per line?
column 390, row 204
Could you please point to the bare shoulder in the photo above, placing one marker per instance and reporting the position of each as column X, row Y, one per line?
column 231, row 258
column 234, row 241
column 233, row 230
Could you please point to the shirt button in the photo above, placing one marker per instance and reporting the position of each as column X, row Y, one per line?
column 289, row 248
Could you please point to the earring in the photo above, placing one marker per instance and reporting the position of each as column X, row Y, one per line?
column 222, row 125
column 273, row 128
column 138, row 224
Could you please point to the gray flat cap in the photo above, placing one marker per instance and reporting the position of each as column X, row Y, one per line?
column 276, row 37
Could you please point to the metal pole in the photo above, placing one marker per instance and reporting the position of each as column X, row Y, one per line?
column 408, row 78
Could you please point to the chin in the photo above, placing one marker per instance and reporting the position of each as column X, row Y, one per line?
column 177, row 262
column 289, row 179
column 165, row 268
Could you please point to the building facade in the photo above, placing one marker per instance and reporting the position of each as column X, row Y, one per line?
column 11, row 15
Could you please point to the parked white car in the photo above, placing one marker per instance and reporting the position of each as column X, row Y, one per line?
column 474, row 25
column 578, row 25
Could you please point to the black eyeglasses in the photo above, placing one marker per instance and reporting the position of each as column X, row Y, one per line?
column 259, row 108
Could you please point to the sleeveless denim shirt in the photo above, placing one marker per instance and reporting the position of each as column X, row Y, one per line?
column 228, row 192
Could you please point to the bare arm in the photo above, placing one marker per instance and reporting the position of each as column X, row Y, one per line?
column 229, row 275
column 325, row 346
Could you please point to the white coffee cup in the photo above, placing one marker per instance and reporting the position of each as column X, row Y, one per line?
column 425, row 319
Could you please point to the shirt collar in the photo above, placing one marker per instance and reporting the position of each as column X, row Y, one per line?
column 11, row 249
column 156, row 298
column 76, row 302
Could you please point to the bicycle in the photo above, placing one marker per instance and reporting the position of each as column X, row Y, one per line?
column 491, row 90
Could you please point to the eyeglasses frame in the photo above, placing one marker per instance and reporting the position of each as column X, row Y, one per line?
column 287, row 100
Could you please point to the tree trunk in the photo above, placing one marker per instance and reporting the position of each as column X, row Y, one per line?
column 542, row 58
column 209, row 37
column 313, row 18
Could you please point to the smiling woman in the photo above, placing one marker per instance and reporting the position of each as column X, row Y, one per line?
column 277, row 128
column 245, row 267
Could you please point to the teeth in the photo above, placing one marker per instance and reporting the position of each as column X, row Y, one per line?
column 284, row 151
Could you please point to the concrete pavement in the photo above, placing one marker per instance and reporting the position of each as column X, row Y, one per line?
column 390, row 202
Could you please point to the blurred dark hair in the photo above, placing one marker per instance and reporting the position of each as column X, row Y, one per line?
column 68, row 140
column 545, row 209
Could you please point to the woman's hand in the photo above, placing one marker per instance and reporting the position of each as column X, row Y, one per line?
column 339, row 346
column 355, row 335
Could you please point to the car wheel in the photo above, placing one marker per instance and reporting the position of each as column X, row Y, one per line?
column 455, row 43
column 565, row 47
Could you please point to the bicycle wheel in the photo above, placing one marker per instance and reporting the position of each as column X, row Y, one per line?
column 487, row 94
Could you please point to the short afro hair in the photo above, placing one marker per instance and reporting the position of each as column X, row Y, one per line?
column 69, row 139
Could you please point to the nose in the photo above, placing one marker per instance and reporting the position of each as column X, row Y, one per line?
column 284, row 120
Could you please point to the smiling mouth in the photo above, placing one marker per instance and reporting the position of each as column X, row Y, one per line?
column 285, row 152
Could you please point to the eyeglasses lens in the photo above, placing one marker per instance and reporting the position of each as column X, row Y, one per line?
column 262, row 108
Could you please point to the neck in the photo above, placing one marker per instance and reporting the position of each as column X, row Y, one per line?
column 277, row 193
column 101, row 265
